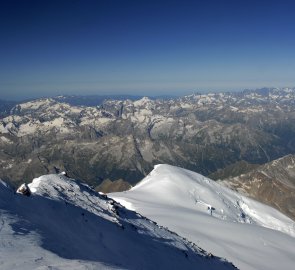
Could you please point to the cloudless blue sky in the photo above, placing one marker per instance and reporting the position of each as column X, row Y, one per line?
column 50, row 47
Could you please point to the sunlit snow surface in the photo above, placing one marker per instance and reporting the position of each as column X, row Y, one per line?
column 248, row 233
column 66, row 225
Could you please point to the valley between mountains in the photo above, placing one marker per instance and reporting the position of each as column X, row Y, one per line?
column 124, row 139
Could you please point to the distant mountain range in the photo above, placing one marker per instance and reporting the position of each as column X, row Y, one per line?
column 92, row 100
column 123, row 139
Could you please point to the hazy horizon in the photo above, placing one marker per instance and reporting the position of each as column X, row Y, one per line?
column 152, row 48
column 126, row 95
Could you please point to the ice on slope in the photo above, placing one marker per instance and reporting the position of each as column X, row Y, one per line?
column 66, row 225
column 246, row 232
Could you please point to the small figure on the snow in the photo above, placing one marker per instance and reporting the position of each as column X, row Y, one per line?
column 209, row 207
column 209, row 210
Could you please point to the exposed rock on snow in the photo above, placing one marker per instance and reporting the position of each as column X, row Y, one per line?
column 24, row 190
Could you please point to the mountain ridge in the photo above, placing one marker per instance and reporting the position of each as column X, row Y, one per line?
column 65, row 225
column 123, row 139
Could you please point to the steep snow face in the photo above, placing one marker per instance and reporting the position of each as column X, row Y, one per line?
column 66, row 225
column 248, row 233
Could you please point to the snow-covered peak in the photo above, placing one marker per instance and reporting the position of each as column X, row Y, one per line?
column 185, row 187
column 64, row 224
column 39, row 106
column 48, row 105
column 142, row 102
column 214, row 217
column 36, row 104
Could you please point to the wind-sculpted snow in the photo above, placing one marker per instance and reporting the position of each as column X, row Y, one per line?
column 248, row 233
column 66, row 225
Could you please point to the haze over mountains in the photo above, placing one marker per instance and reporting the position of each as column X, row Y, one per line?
column 115, row 144
column 123, row 139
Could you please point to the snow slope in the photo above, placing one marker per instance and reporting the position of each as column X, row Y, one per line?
column 248, row 233
column 66, row 225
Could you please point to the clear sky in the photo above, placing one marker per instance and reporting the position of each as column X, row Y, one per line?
column 50, row 47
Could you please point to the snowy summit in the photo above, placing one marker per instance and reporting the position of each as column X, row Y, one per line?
column 246, row 232
column 64, row 224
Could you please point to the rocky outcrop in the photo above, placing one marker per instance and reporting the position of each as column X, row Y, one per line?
column 272, row 183
column 108, row 186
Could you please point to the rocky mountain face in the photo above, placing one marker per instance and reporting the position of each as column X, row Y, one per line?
column 123, row 139
column 272, row 183
column 108, row 186
column 232, row 170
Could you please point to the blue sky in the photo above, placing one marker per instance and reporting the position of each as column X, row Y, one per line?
column 144, row 47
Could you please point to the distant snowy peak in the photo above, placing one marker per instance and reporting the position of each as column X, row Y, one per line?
column 45, row 105
column 48, row 115
column 142, row 102
column 184, row 187
column 64, row 224
column 54, row 114
column 29, row 107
